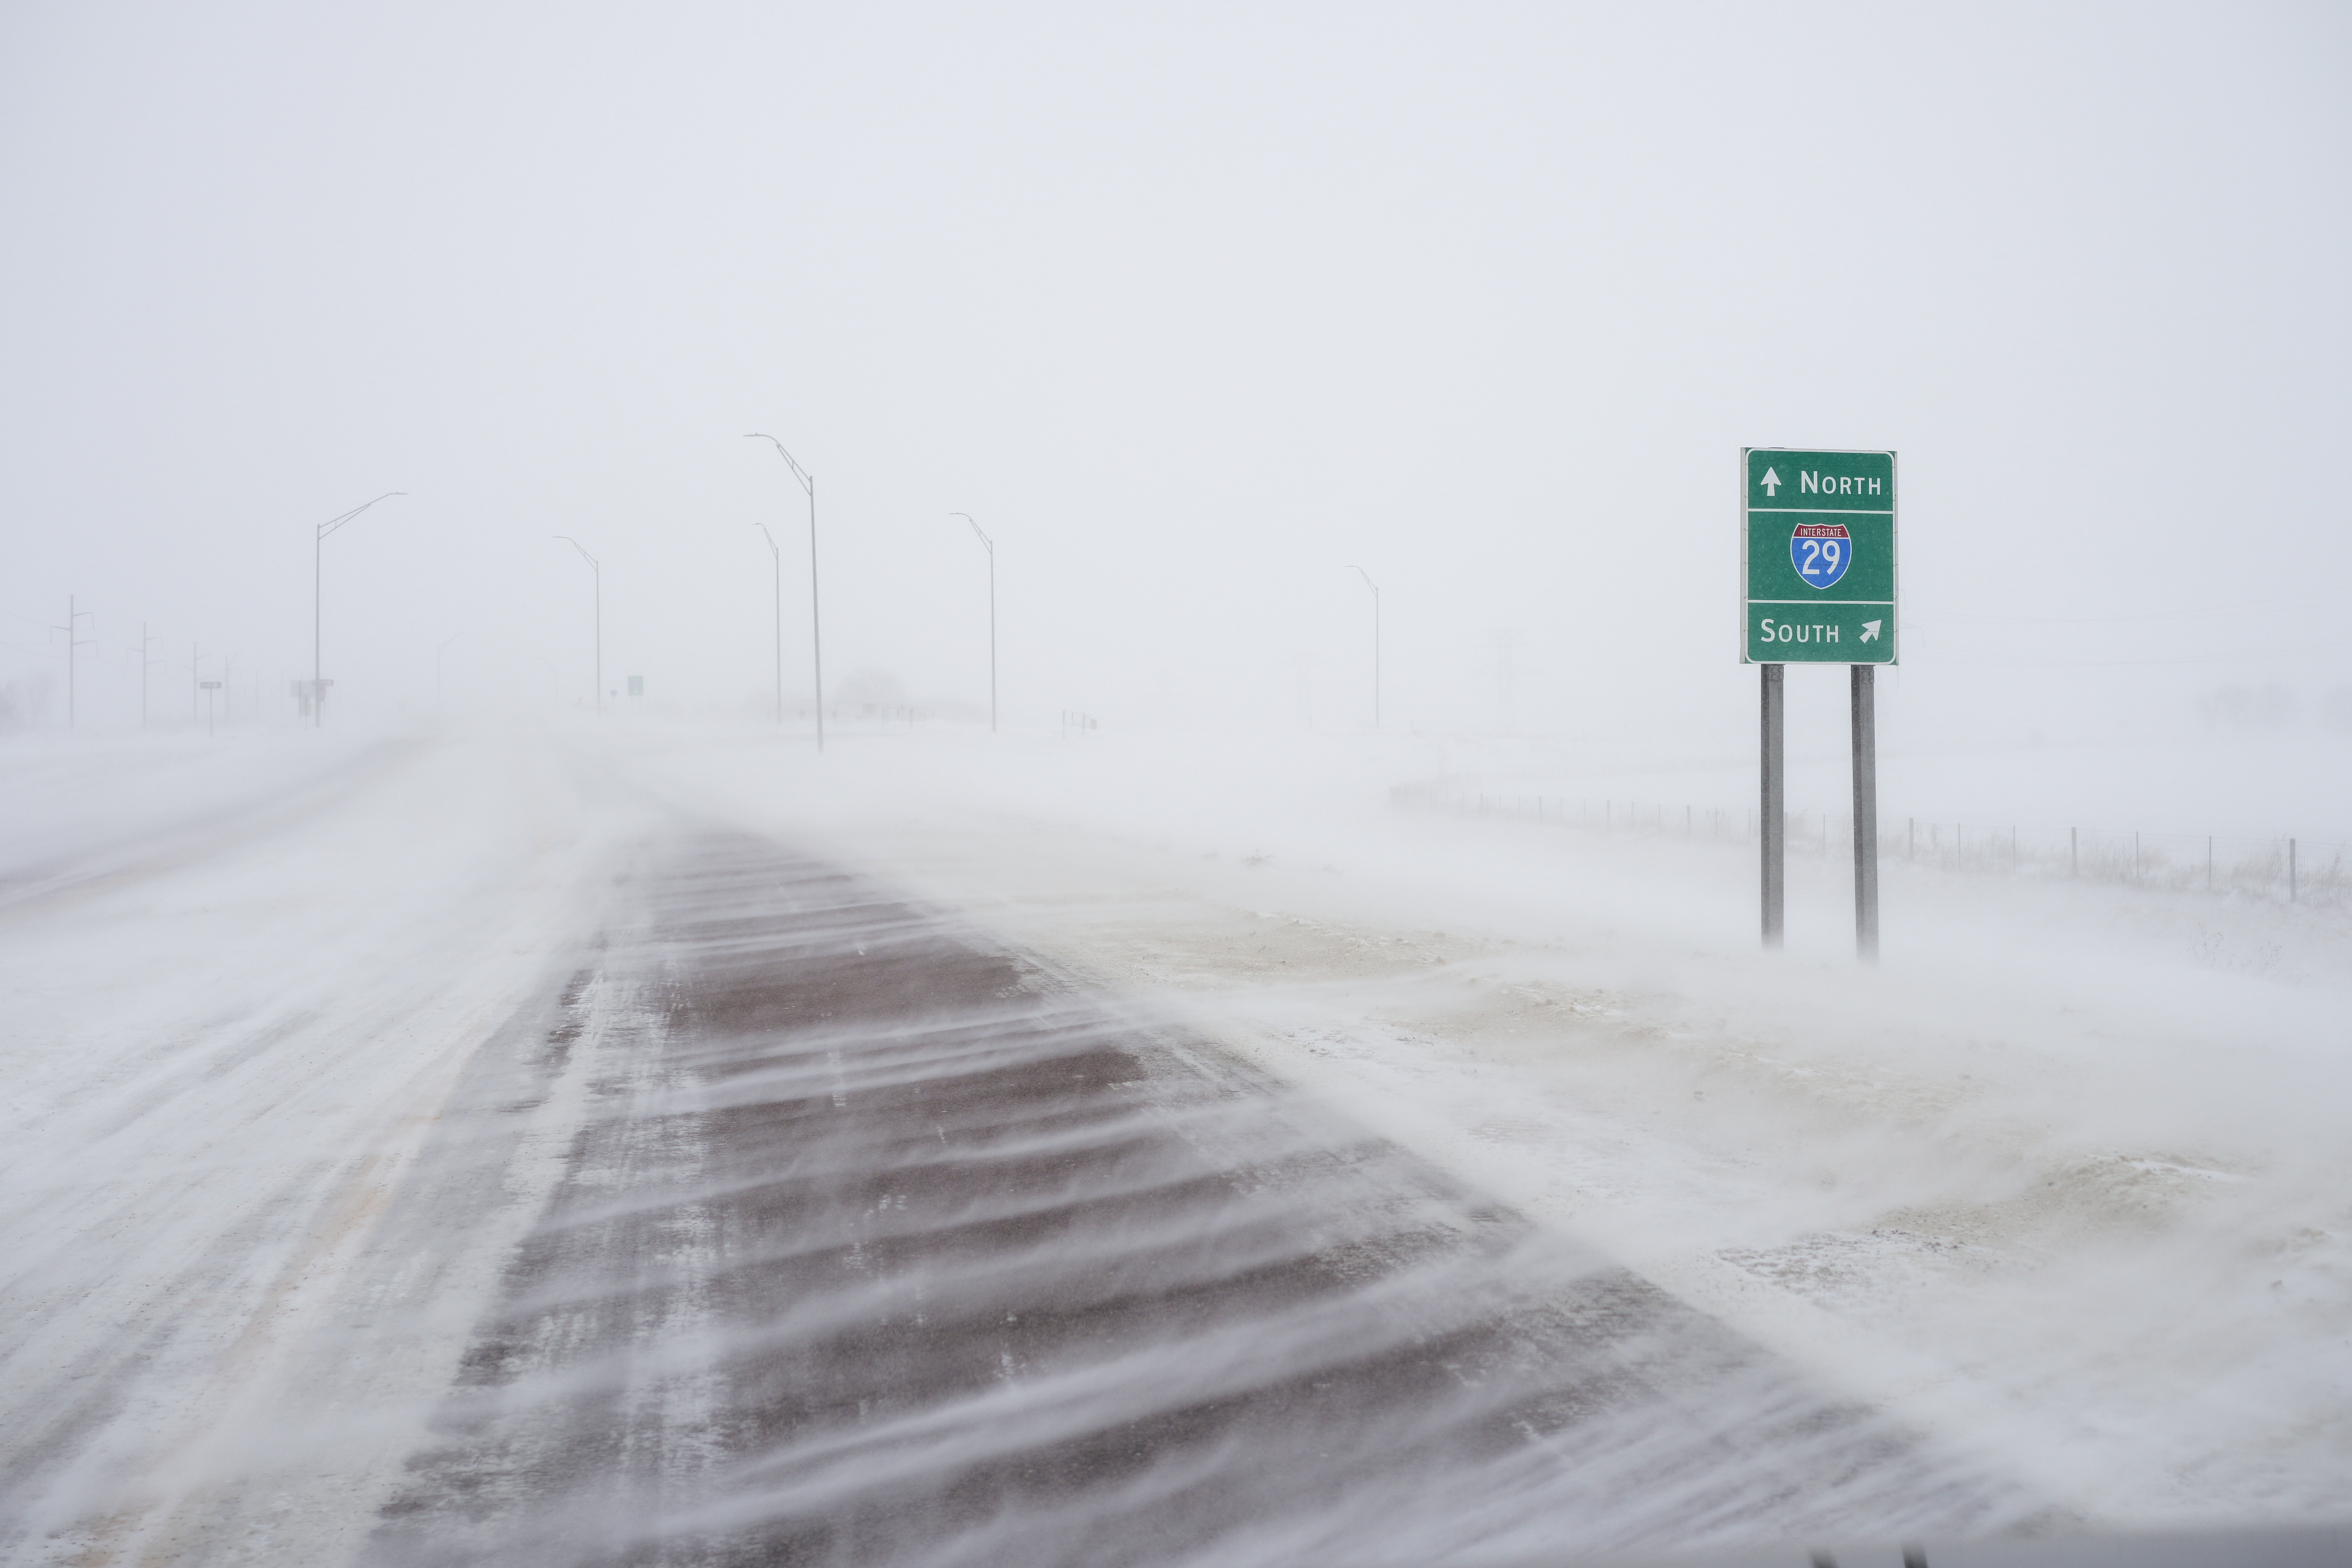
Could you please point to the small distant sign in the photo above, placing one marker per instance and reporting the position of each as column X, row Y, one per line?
column 209, row 685
column 1817, row 544
column 636, row 686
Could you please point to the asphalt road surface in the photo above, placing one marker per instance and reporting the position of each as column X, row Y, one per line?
column 880, row 1245
column 807, row 1227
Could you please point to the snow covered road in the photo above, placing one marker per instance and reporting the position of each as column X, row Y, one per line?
column 240, row 984
column 527, row 1149
column 885, row 1247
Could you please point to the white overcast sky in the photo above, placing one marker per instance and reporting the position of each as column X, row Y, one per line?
column 1192, row 307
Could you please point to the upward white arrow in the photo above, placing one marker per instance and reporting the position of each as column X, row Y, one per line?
column 1771, row 483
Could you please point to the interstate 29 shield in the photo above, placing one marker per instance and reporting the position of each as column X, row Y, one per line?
column 1822, row 553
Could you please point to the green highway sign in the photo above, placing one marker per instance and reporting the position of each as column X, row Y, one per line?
column 1817, row 556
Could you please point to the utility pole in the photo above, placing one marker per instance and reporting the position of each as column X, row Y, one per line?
column 600, row 614
column 776, row 563
column 146, row 662
column 1375, row 588
column 817, row 636
column 989, row 544
column 317, row 542
column 74, row 614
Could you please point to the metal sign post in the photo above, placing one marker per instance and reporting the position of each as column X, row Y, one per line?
column 1818, row 579
column 1864, row 677
column 1773, row 814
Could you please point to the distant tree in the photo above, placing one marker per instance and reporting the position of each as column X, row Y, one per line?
column 2244, row 708
column 2336, row 709
column 870, row 693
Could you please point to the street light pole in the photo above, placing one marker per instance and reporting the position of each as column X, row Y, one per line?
column 817, row 635
column 599, row 571
column 317, row 541
column 776, row 560
column 990, row 544
column 1375, row 588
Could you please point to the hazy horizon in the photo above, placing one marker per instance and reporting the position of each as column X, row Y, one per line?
column 1192, row 312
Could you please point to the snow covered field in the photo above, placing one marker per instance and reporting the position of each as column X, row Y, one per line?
column 2064, row 1182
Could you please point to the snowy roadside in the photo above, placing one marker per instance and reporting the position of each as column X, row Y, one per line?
column 2064, row 1182
column 237, row 990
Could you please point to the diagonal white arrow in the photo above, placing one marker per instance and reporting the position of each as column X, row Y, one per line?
column 1870, row 630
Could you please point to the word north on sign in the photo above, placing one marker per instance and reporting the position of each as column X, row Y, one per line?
column 1817, row 556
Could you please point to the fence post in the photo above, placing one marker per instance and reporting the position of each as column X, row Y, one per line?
column 2208, row 862
column 2290, row 870
column 2073, row 852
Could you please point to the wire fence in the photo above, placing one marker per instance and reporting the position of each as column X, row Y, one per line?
column 2290, row 869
